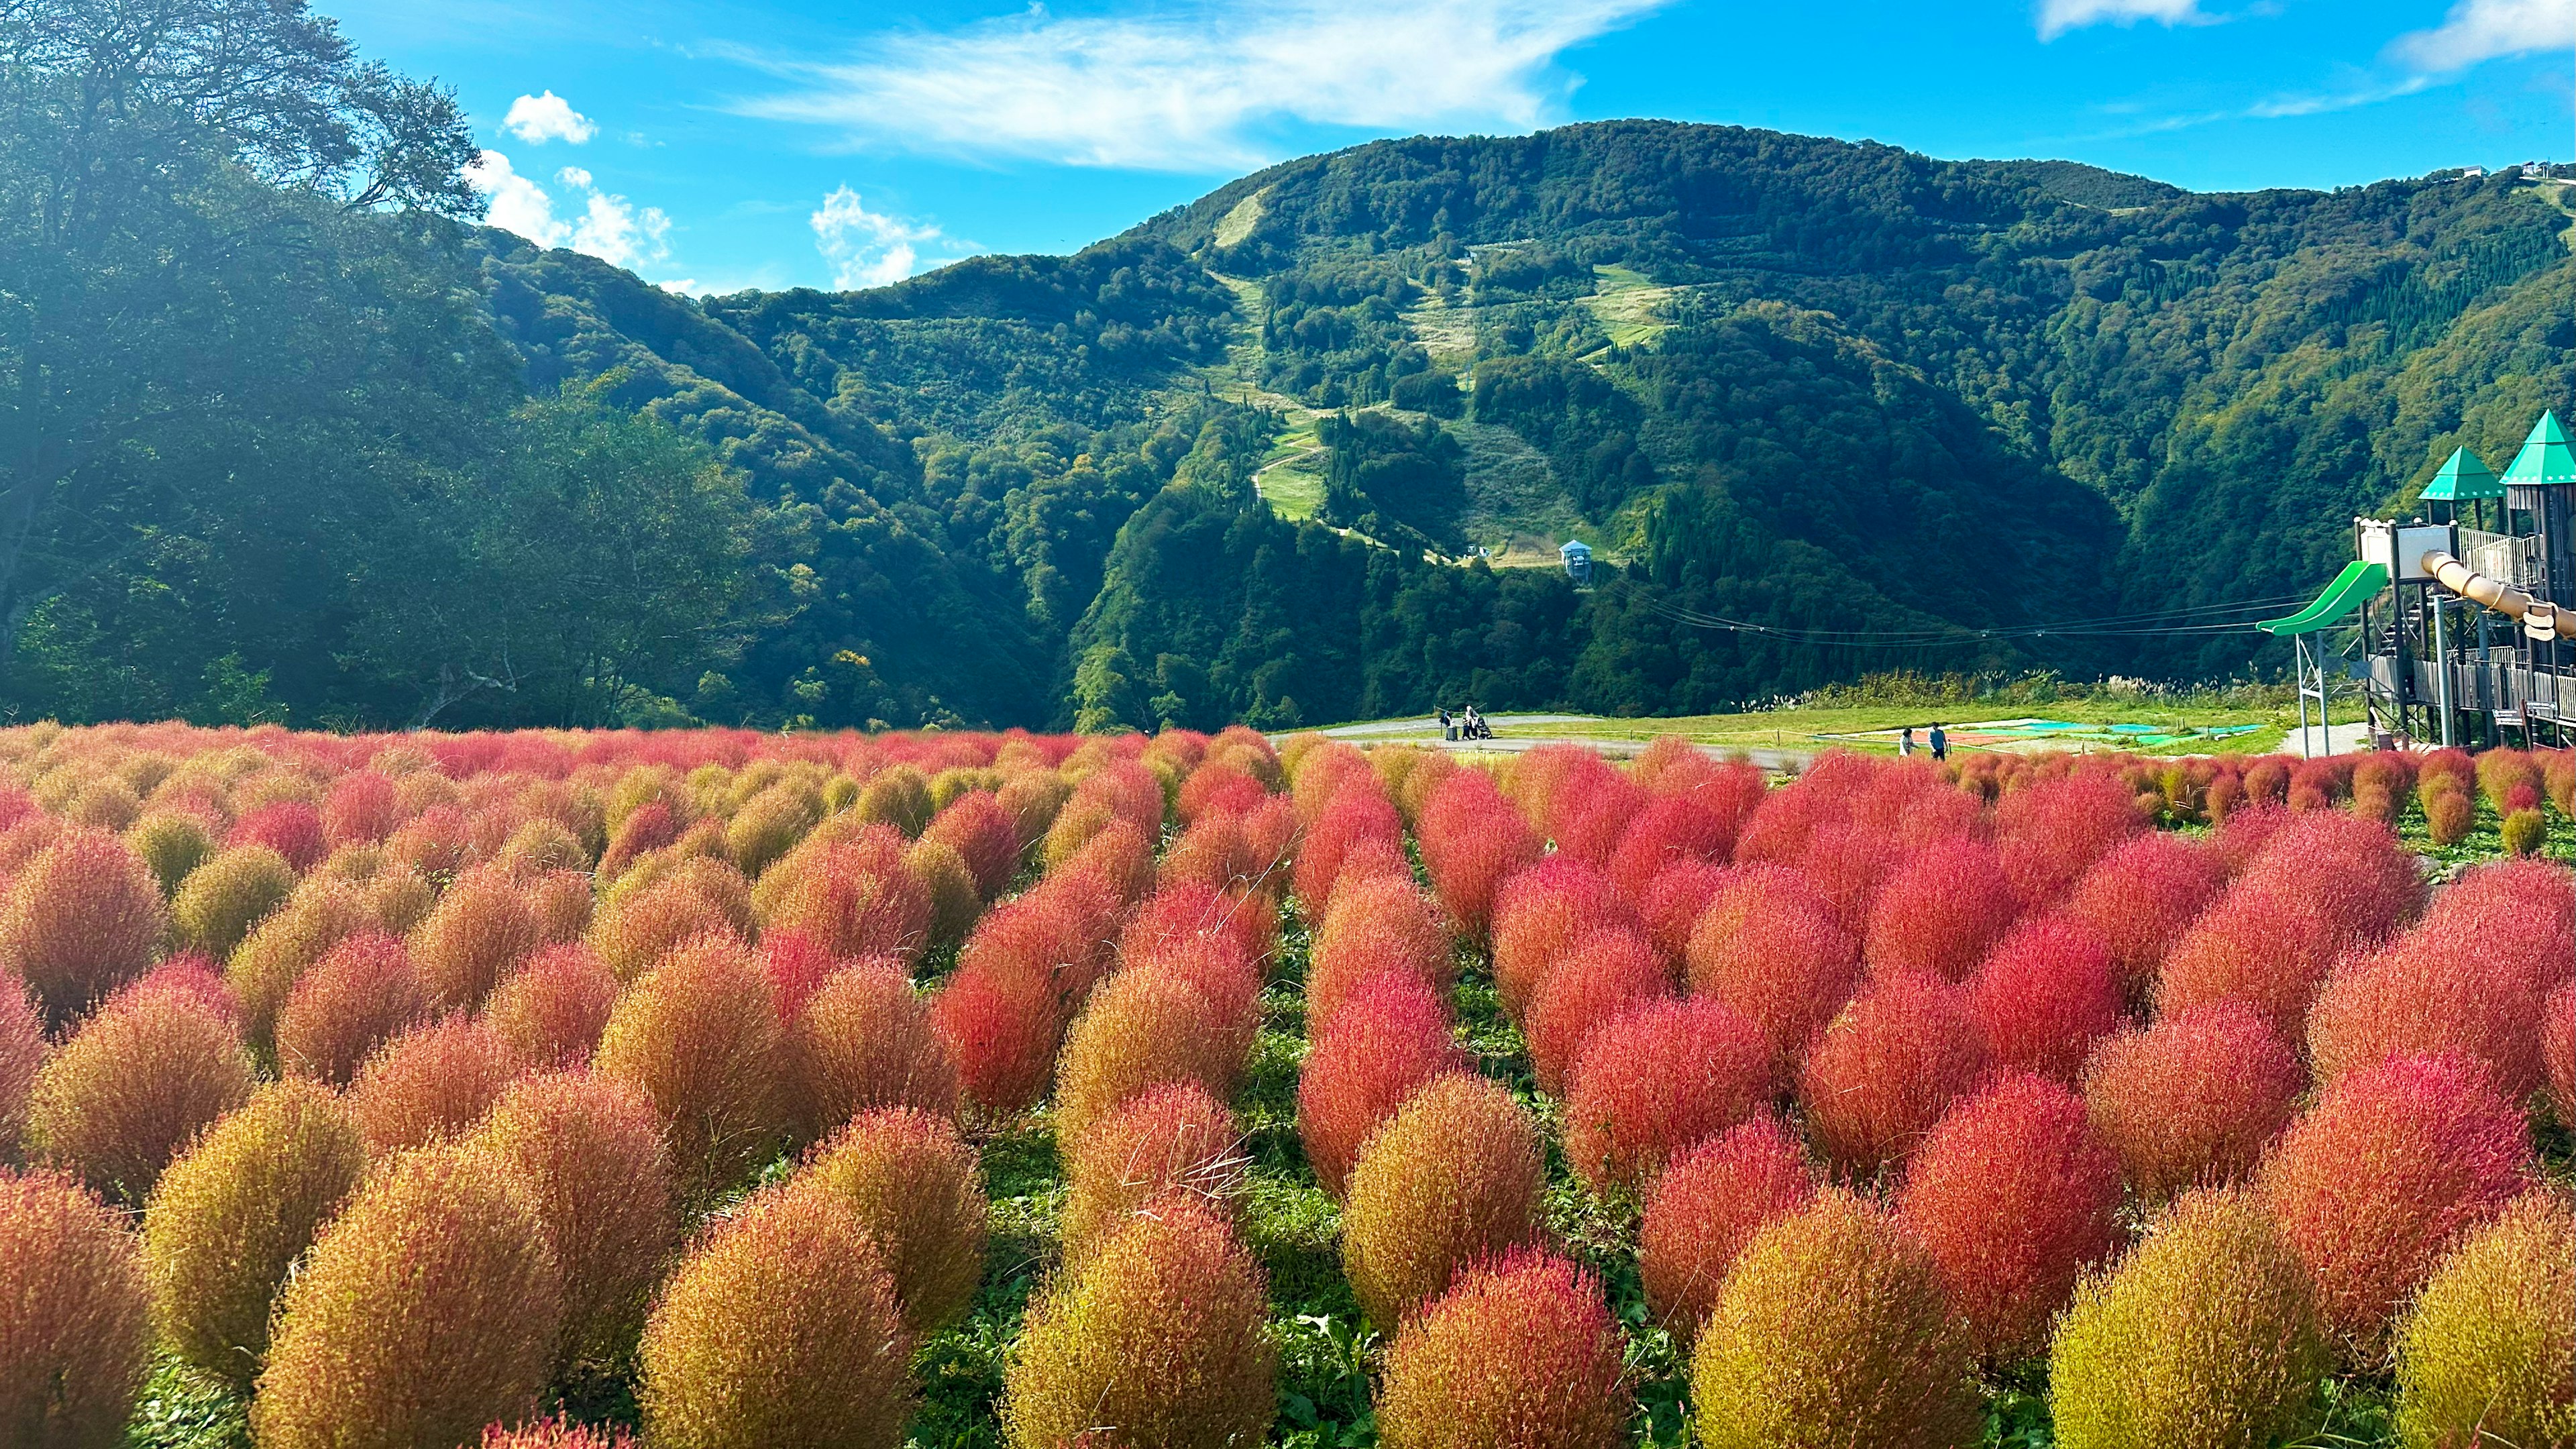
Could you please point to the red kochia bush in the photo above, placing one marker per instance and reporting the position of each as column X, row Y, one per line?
column 126, row 1094
column 550, row 1014
column 1183, row 912
column 2015, row 1197
column 699, row 1038
column 2558, row 1052
column 1521, row 1350
column 1653, row 1082
column 1157, row 1341
column 1381, row 924
column 587, row 1154
column 1889, row 1067
column 1358, row 812
column 1672, row 830
column 2326, row 883
column 83, row 918
column 1599, row 977
column 1672, row 904
column 1171, row 1143
column 1454, row 1175
column 1706, row 1208
column 2045, row 995
column 555, row 1433
column 1000, row 1028
column 1539, row 913
column 1471, row 840
column 361, row 994
column 2192, row 1100
column 1390, row 1038
column 363, row 807
column 290, row 827
column 190, row 976
column 1941, row 911
column 981, row 832
column 432, row 1082
column 1769, row 947
column 2393, row 1164
column 426, row 1311
column 74, row 1336
column 2467, row 982
column 865, row 1042
column 2143, row 895
column 795, row 1274
column 2052, row 833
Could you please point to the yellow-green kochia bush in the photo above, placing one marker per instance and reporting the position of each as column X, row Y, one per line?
column 221, row 900
column 587, row 1152
column 230, row 1218
column 2488, row 1356
column 130, row 1090
column 1155, row 1342
column 1832, row 1330
column 1453, row 1176
column 2205, row 1337
column 914, row 1186
column 699, row 1037
column 428, row 1309
column 779, row 1331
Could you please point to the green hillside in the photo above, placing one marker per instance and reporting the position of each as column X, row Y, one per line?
column 1238, row 462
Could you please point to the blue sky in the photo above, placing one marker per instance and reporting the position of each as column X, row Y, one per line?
column 715, row 147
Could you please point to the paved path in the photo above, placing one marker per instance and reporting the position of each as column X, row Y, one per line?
column 1427, row 732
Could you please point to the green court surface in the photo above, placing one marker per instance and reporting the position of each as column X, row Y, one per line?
column 2055, row 733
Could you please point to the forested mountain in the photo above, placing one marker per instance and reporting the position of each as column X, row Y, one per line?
column 288, row 437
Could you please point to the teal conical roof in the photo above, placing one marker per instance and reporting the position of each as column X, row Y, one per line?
column 2464, row 479
column 2546, row 456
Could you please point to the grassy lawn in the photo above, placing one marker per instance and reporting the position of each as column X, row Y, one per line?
column 1813, row 728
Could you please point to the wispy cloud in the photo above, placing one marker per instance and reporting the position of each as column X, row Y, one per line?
column 869, row 248
column 2056, row 17
column 549, row 117
column 2479, row 30
column 608, row 227
column 1190, row 90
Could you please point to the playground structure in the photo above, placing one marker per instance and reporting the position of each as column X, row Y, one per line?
column 2466, row 628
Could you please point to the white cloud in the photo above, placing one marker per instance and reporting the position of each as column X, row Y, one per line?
column 548, row 117
column 1190, row 90
column 621, row 233
column 610, row 228
column 867, row 248
column 2056, row 17
column 517, row 203
column 2477, row 30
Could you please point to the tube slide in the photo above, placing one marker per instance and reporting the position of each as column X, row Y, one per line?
column 2539, row 618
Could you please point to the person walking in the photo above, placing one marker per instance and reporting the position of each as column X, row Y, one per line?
column 1940, row 742
column 1905, row 744
column 1448, row 728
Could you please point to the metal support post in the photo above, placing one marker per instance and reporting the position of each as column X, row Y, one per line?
column 2441, row 669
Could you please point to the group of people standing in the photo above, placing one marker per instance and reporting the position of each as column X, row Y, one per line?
column 1468, row 726
column 1940, row 742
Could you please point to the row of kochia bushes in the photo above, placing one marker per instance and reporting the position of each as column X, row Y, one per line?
column 437, row 1076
